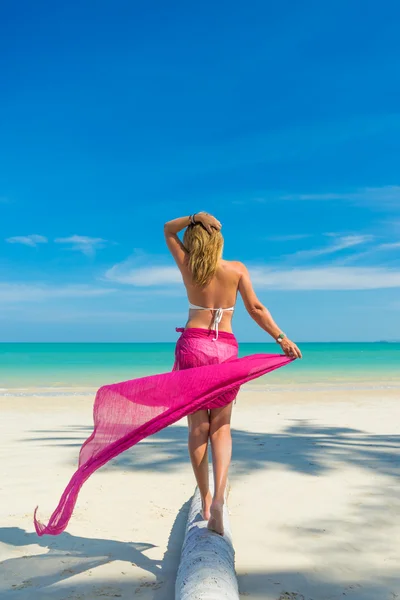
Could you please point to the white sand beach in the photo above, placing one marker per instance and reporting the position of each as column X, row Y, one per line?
column 314, row 501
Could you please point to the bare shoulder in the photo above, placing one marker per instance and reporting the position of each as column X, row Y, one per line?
column 237, row 266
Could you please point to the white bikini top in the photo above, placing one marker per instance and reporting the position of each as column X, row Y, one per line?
column 217, row 317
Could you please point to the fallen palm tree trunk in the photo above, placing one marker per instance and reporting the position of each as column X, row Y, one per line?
column 207, row 566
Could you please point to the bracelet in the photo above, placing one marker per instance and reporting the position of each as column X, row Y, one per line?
column 280, row 337
column 192, row 221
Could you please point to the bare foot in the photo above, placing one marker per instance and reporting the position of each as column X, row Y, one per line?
column 206, row 503
column 216, row 521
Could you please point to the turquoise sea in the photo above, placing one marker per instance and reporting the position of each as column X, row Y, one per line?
column 90, row 365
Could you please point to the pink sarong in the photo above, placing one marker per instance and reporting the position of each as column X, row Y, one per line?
column 197, row 347
column 206, row 374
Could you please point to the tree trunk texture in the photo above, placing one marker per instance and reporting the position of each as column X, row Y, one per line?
column 207, row 566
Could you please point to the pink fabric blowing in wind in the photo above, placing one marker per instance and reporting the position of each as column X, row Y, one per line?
column 206, row 374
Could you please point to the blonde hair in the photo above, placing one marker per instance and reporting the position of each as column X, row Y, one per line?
column 205, row 249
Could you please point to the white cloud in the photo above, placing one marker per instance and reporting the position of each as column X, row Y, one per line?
column 144, row 276
column 371, row 253
column 141, row 270
column 341, row 243
column 388, row 195
column 309, row 278
column 326, row 278
column 82, row 243
column 38, row 292
column 27, row 240
column 289, row 237
column 57, row 315
column 391, row 246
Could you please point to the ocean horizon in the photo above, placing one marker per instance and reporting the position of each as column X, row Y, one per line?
column 65, row 365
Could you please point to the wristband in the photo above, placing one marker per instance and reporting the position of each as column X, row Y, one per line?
column 192, row 221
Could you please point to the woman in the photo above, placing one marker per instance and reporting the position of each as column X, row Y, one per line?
column 212, row 285
column 125, row 413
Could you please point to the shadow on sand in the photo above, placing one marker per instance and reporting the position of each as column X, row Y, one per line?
column 302, row 447
column 66, row 556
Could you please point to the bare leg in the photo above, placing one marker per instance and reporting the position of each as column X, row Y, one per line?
column 199, row 429
column 221, row 445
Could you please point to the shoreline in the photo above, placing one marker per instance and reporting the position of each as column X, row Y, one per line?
column 260, row 386
column 89, row 366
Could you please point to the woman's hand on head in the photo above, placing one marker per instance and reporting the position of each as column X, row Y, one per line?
column 290, row 348
column 208, row 221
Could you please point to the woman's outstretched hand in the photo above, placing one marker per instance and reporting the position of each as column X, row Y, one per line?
column 290, row 348
column 208, row 221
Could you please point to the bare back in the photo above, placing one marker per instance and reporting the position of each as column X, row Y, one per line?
column 221, row 292
column 230, row 278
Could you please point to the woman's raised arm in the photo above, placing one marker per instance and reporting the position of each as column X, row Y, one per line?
column 172, row 228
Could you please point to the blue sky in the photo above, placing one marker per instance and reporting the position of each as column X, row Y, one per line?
column 280, row 118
